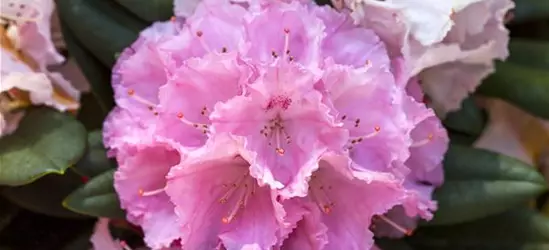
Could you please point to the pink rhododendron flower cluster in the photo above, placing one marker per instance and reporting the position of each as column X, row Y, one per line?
column 270, row 124
column 450, row 45
column 26, row 51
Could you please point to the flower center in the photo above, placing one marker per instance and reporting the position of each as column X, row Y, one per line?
column 276, row 134
column 237, row 195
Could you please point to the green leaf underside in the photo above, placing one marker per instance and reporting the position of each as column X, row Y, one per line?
column 526, row 88
column 469, row 120
column 516, row 229
column 529, row 53
column 103, row 27
column 530, row 10
column 480, row 183
column 96, row 198
column 94, row 161
column 46, row 142
column 151, row 10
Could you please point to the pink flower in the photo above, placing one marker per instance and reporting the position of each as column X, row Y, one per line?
column 450, row 53
column 342, row 207
column 220, row 204
column 140, row 181
column 269, row 124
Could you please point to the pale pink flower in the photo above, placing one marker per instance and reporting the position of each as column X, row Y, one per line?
column 31, row 29
column 451, row 45
column 220, row 204
column 26, row 51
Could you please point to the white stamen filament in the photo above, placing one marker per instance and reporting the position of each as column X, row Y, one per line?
column 395, row 225
column 200, row 126
column 359, row 139
column 124, row 245
column 144, row 193
column 142, row 100
column 286, row 50
column 200, row 35
column 422, row 142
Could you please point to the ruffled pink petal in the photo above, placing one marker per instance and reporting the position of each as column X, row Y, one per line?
column 101, row 238
column 141, row 70
column 192, row 92
column 310, row 233
column 296, row 35
column 140, row 181
column 427, row 151
column 349, row 204
column 219, row 203
column 201, row 32
column 377, row 137
column 285, row 125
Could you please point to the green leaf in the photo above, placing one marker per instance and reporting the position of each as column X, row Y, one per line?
column 392, row 244
column 95, row 160
column 479, row 183
column 45, row 195
column 526, row 88
column 151, row 10
column 469, row 120
column 7, row 212
column 517, row 229
column 530, row 53
column 461, row 139
column 96, row 198
column 530, row 10
column 46, row 142
column 98, row 75
column 103, row 27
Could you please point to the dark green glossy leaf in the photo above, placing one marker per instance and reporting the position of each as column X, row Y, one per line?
column 529, row 10
column 46, row 142
column 151, row 10
column 469, row 120
column 95, row 160
column 103, row 27
column 531, row 53
column 98, row 75
column 526, row 88
column 45, row 195
column 479, row 183
column 517, row 229
column 97, row 198
column 392, row 244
